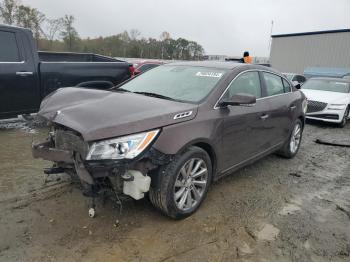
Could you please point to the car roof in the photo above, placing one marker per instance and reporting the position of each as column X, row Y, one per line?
column 331, row 79
column 221, row 65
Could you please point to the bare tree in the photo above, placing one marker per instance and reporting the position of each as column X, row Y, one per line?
column 53, row 28
column 69, row 33
column 30, row 18
column 134, row 34
column 8, row 10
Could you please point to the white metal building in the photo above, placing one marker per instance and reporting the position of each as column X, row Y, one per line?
column 295, row 52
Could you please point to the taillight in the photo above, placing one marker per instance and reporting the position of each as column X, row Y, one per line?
column 132, row 70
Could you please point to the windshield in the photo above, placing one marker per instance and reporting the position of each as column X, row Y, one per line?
column 180, row 83
column 327, row 85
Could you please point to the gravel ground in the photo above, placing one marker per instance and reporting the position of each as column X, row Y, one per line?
column 273, row 210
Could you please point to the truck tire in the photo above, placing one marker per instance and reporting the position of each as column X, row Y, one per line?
column 183, row 184
column 292, row 145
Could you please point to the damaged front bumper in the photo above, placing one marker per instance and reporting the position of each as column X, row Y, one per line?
column 46, row 150
column 68, row 151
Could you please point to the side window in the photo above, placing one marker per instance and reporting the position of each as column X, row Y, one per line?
column 274, row 85
column 8, row 47
column 302, row 79
column 286, row 85
column 247, row 83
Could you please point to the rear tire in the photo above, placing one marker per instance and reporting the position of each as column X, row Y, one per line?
column 183, row 184
column 345, row 118
column 292, row 145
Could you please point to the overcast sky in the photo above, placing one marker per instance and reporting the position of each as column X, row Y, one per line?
column 220, row 26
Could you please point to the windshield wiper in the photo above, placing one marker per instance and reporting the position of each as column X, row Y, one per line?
column 120, row 90
column 155, row 95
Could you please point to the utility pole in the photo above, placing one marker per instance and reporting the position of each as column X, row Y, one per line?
column 270, row 41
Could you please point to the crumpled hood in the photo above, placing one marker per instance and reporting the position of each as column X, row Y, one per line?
column 325, row 96
column 98, row 114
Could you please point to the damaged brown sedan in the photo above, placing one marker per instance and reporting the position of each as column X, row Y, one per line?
column 172, row 131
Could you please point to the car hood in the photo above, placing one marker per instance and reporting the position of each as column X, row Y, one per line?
column 98, row 114
column 325, row 96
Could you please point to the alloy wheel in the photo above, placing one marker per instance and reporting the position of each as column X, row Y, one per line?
column 296, row 138
column 190, row 184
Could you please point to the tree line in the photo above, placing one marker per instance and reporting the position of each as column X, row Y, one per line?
column 59, row 34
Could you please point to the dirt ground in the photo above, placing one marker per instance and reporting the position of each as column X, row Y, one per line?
column 273, row 210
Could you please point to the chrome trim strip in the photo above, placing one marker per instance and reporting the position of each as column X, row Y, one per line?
column 252, row 70
column 21, row 62
column 183, row 115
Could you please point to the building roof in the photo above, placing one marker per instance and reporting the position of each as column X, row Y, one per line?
column 313, row 33
column 327, row 71
column 335, row 79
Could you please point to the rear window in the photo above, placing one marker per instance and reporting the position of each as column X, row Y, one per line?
column 327, row 85
column 181, row 83
column 8, row 47
column 146, row 67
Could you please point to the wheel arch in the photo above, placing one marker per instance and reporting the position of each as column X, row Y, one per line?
column 207, row 147
column 302, row 119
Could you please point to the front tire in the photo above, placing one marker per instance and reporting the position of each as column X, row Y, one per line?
column 183, row 184
column 292, row 145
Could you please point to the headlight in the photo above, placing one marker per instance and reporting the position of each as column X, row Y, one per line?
column 336, row 106
column 127, row 147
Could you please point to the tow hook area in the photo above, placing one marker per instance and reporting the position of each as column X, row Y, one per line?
column 136, row 184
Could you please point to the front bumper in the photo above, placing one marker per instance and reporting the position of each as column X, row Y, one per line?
column 68, row 151
column 46, row 150
column 332, row 116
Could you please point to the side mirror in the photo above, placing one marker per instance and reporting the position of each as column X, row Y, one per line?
column 296, row 84
column 238, row 100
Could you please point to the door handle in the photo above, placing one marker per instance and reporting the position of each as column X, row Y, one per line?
column 292, row 107
column 24, row 73
column 264, row 116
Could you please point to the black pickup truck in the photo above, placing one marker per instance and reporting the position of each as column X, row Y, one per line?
column 27, row 76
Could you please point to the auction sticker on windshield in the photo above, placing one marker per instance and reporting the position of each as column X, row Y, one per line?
column 209, row 74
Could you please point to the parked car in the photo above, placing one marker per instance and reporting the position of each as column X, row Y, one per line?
column 142, row 66
column 295, row 78
column 328, row 99
column 172, row 130
column 27, row 76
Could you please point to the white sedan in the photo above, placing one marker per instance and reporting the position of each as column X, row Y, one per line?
column 328, row 99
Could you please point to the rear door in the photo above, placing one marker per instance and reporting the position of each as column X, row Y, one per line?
column 282, row 106
column 245, row 129
column 19, row 92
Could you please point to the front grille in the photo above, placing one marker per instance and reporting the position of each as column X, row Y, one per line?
column 68, row 140
column 315, row 106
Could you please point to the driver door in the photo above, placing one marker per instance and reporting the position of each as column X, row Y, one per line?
column 245, row 127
